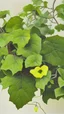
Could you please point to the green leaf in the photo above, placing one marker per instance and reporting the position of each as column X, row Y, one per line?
column 59, row 92
column 20, row 37
column 45, row 4
column 4, row 13
column 41, row 83
column 34, row 46
column 59, row 27
column 60, row 10
column 37, row 2
column 14, row 23
column 12, row 63
column 33, row 60
column 48, row 93
column 21, row 89
column 3, row 51
column 61, row 72
column 28, row 7
column 60, row 82
column 4, row 39
column 53, row 50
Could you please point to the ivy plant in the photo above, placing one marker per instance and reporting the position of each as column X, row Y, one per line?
column 31, row 54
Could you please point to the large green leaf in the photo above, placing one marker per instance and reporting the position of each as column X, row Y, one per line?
column 34, row 46
column 41, row 83
column 12, row 63
column 3, row 51
column 21, row 89
column 60, row 10
column 33, row 60
column 53, row 50
column 4, row 13
column 14, row 23
column 61, row 72
column 20, row 37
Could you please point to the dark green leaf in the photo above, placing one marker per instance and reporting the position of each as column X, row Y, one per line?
column 59, row 27
column 4, row 13
column 53, row 50
column 21, row 89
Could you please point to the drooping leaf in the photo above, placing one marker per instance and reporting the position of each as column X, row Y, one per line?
column 33, row 60
column 53, row 50
column 12, row 63
column 21, row 89
column 14, row 23
column 34, row 46
column 59, row 27
column 61, row 72
column 4, row 13
column 41, row 83
column 60, row 10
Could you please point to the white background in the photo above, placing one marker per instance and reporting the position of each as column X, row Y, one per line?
column 6, row 107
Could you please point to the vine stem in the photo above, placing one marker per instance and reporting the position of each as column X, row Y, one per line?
column 54, row 11
column 36, row 103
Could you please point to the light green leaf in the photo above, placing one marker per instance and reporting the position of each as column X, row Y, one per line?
column 53, row 50
column 60, row 10
column 21, row 89
column 29, row 7
column 14, row 23
column 4, row 13
column 60, row 82
column 41, row 83
column 12, row 63
column 33, row 60
column 61, row 72
column 20, row 37
column 59, row 92
column 34, row 46
column 3, row 51
column 37, row 2
column 4, row 39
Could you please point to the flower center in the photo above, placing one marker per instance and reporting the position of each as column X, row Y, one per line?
column 40, row 71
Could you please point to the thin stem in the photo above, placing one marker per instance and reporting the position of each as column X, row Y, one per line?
column 36, row 103
column 54, row 11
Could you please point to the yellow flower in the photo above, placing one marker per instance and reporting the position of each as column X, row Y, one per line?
column 36, row 108
column 39, row 72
